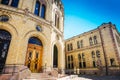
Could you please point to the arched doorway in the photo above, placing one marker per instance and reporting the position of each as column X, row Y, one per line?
column 5, row 38
column 34, row 55
column 55, row 57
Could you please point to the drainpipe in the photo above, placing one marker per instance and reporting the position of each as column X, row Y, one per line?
column 105, row 56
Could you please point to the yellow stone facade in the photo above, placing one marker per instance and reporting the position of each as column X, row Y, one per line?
column 94, row 52
column 24, row 24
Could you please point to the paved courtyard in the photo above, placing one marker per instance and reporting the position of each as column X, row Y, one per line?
column 88, row 77
column 37, row 76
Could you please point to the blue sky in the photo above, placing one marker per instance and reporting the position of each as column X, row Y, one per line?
column 84, row 15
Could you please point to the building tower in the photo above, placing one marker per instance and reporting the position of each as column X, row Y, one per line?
column 31, row 35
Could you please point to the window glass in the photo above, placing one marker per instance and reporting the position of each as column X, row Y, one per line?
column 15, row 3
column 6, row 2
column 43, row 11
column 37, row 8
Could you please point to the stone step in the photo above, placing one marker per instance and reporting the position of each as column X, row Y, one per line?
column 5, row 76
column 40, row 76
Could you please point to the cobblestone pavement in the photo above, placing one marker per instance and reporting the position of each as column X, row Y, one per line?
column 86, row 77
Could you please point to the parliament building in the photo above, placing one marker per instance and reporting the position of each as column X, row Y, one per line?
column 94, row 52
column 31, row 36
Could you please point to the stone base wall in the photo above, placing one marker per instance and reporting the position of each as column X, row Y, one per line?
column 17, row 72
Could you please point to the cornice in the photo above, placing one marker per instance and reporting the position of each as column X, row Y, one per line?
column 85, row 48
column 23, row 13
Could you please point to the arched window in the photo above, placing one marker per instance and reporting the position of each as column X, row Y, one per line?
column 71, row 46
column 81, row 43
column 90, row 41
column 43, row 11
column 95, row 39
column 5, row 39
column 98, row 54
column 68, row 47
column 37, row 8
column 83, row 56
column 93, row 54
column 79, row 57
column 34, row 40
column 6, row 2
column 13, row 3
column 57, row 21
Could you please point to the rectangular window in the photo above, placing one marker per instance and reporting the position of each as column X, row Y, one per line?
column 35, row 66
column 6, row 2
column 80, row 65
column 37, row 54
column 30, row 54
column 84, row 64
column 69, row 66
column 72, row 66
column 78, row 45
column 112, row 61
column 55, row 19
column 68, row 58
column 94, row 64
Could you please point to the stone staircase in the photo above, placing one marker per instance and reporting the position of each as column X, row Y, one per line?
column 5, row 76
column 40, row 76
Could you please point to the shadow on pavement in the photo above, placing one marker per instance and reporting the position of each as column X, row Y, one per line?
column 95, row 77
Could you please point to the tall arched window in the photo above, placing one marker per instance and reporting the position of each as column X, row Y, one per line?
column 5, row 38
column 90, row 41
column 98, row 54
column 93, row 54
column 37, row 8
column 95, row 39
column 68, row 47
column 71, row 46
column 79, row 57
column 57, row 20
column 40, row 9
column 13, row 3
column 55, row 57
column 43, row 11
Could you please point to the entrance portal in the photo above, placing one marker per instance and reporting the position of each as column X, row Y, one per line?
column 5, row 38
column 55, row 57
column 34, row 55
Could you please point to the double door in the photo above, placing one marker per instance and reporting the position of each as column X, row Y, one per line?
column 34, row 58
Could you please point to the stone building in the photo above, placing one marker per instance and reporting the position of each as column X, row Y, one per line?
column 31, row 34
column 94, row 52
